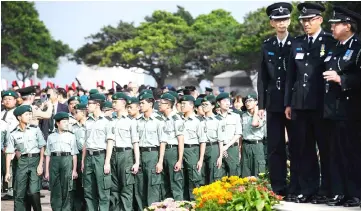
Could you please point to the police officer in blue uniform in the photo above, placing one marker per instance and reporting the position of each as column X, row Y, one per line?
column 342, row 100
column 271, row 90
column 304, row 97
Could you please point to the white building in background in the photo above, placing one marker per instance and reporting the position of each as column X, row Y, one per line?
column 89, row 76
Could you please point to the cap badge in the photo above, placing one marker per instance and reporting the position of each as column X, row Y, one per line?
column 280, row 9
column 304, row 10
column 289, row 43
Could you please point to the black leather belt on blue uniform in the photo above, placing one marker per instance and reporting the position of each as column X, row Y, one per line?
column 95, row 152
column 29, row 155
column 252, row 141
column 190, row 145
column 121, row 149
column 148, row 149
column 211, row 143
column 60, row 153
column 169, row 146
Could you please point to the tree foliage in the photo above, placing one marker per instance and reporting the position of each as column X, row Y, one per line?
column 25, row 40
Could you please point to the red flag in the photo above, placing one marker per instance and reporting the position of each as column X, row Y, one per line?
column 73, row 86
column 66, row 88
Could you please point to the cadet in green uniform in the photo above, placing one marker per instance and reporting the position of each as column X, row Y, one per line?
column 173, row 158
column 152, row 142
column 61, row 161
column 253, row 160
column 214, row 146
column 72, row 102
column 29, row 142
column 233, row 130
column 198, row 107
column 107, row 109
column 124, row 163
column 194, row 146
column 79, row 131
column 133, row 107
column 96, row 175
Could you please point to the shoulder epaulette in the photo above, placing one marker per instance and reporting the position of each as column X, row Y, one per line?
column 108, row 118
column 175, row 117
column 200, row 118
column 33, row 126
column 14, row 130
column 130, row 117
column 70, row 131
column 159, row 118
column 218, row 117
column 266, row 40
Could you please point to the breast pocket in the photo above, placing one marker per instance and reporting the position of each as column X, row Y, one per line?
column 20, row 145
column 152, row 131
column 124, row 132
column 192, row 133
column 231, row 126
column 212, row 131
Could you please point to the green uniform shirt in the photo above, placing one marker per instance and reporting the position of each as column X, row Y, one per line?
column 61, row 142
column 151, row 130
column 232, row 125
column 79, row 132
column 124, row 131
column 97, row 132
column 194, row 132
column 72, row 121
column 250, row 132
column 31, row 140
column 174, row 126
column 214, row 130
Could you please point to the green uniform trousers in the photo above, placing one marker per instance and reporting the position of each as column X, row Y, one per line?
column 27, row 182
column 61, row 183
column 96, row 183
column 210, row 163
column 173, row 181
column 232, row 165
column 121, row 196
column 253, row 161
column 79, row 201
column 192, row 178
column 148, row 182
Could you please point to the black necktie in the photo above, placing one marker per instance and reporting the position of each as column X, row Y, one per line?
column 310, row 42
column 4, row 117
column 281, row 46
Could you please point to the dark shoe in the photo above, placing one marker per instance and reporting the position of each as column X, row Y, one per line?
column 281, row 193
column 303, row 198
column 337, row 200
column 35, row 201
column 7, row 198
column 353, row 202
column 319, row 199
column 290, row 198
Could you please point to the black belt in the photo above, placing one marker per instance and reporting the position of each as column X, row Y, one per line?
column 121, row 149
column 148, row 149
column 60, row 153
column 30, row 155
column 252, row 141
column 98, row 152
column 233, row 145
column 169, row 146
column 190, row 145
column 211, row 143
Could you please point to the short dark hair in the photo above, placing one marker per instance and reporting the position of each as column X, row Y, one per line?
column 62, row 92
column 157, row 93
column 150, row 100
column 354, row 28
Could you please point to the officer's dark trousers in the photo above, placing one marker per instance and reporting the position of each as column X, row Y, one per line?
column 276, row 149
column 345, row 144
column 308, row 127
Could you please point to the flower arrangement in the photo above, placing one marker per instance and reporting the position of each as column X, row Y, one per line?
column 171, row 205
column 235, row 193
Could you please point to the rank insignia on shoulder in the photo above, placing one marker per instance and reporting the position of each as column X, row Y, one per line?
column 289, row 43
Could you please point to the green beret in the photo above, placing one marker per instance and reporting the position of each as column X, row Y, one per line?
column 9, row 93
column 198, row 102
column 187, row 98
column 168, row 96
column 97, row 96
column 74, row 98
column 81, row 106
column 107, row 105
column 250, row 96
column 93, row 91
column 120, row 96
column 175, row 94
column 209, row 98
column 145, row 91
column 222, row 96
column 133, row 100
column 22, row 109
column 61, row 115
column 146, row 96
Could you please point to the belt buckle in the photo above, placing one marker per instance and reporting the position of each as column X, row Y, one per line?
column 90, row 152
column 30, row 155
column 149, row 149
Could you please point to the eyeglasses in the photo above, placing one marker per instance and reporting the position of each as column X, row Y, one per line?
column 305, row 20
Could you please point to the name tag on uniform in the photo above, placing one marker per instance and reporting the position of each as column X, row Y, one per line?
column 327, row 58
column 300, row 55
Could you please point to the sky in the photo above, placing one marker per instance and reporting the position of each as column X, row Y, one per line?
column 72, row 21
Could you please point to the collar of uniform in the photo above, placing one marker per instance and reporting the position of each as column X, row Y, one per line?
column 315, row 36
column 122, row 116
column 210, row 117
column 151, row 117
column 92, row 117
column 348, row 39
column 172, row 113
column 191, row 117
column 19, row 129
column 283, row 41
column 71, row 115
column 249, row 114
